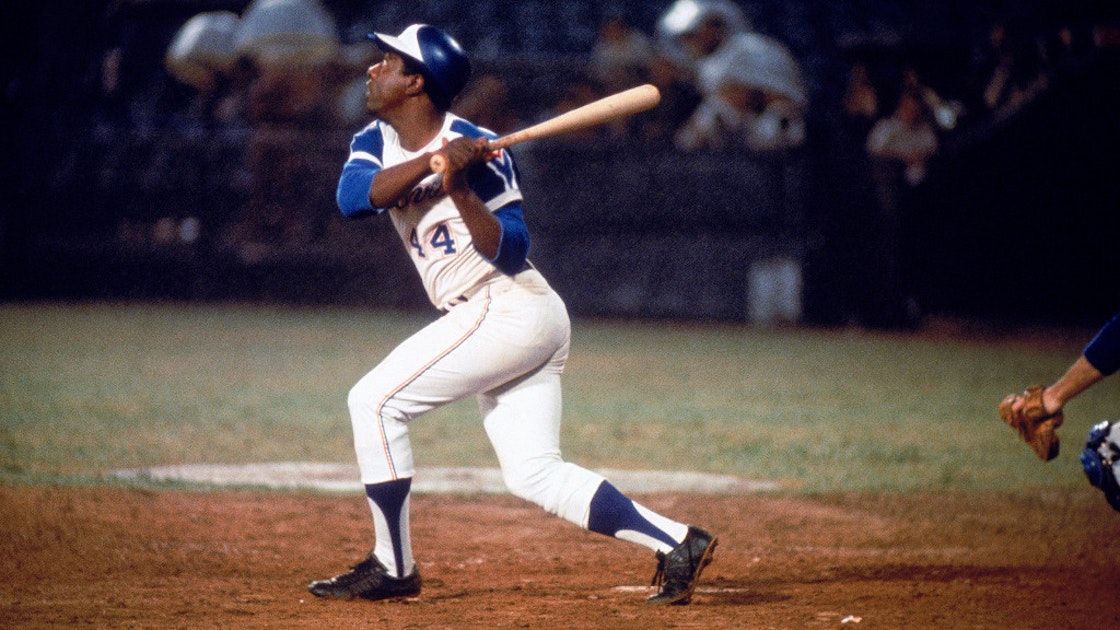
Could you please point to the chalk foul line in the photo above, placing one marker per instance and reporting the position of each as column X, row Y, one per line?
column 332, row 477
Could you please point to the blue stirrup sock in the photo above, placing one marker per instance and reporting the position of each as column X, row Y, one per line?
column 612, row 514
column 389, row 503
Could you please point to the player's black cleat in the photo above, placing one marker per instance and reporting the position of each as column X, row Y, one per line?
column 369, row 580
column 678, row 570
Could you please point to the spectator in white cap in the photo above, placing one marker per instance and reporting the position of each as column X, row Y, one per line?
column 692, row 30
column 754, row 97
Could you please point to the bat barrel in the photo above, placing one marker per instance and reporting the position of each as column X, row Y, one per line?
column 607, row 109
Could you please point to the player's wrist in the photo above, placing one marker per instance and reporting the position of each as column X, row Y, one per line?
column 460, row 194
column 1052, row 402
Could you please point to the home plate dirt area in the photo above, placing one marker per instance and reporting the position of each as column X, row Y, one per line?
column 128, row 556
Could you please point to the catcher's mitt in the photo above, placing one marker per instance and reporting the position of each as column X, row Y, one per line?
column 1030, row 419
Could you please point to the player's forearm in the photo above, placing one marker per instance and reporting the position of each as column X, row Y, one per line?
column 1079, row 377
column 485, row 229
column 392, row 183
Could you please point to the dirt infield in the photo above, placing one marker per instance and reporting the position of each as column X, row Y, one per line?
column 128, row 558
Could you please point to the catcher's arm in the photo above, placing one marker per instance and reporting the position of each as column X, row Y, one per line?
column 1079, row 377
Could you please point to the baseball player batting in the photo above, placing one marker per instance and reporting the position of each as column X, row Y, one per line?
column 503, row 336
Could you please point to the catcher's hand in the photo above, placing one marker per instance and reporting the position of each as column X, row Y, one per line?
column 1026, row 414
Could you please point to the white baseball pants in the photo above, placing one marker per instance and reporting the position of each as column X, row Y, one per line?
column 506, row 346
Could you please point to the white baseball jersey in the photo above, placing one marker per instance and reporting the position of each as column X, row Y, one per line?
column 435, row 235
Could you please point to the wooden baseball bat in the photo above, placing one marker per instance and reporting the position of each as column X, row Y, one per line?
column 604, row 110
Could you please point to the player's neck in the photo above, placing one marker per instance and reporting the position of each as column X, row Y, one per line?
column 417, row 126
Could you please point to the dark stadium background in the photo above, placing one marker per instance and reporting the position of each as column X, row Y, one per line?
column 1019, row 219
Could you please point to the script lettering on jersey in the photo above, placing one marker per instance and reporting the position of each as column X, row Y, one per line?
column 421, row 194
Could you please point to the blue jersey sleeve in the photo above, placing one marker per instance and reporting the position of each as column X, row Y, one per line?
column 1103, row 352
column 353, row 189
column 513, row 249
column 363, row 164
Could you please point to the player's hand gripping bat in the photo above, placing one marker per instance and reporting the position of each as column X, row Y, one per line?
column 604, row 110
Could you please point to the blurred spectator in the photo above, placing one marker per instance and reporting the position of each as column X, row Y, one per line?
column 691, row 31
column 230, row 107
column 112, row 103
column 202, row 55
column 861, row 98
column 754, row 98
column 905, row 140
column 624, row 57
column 295, row 48
column 223, row 102
column 1012, row 70
column 1062, row 50
column 1066, row 48
column 900, row 147
column 752, row 93
column 488, row 103
column 943, row 112
column 622, row 54
column 285, row 106
column 679, row 97
column 849, row 201
column 579, row 91
column 290, row 96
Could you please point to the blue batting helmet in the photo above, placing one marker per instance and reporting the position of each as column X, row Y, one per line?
column 438, row 56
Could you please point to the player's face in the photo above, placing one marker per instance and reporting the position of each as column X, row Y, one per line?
column 386, row 84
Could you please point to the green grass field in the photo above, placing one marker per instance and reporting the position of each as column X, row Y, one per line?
column 90, row 388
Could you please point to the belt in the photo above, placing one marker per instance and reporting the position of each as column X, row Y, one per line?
column 454, row 302
column 469, row 294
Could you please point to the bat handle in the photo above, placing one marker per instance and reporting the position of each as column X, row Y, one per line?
column 438, row 163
